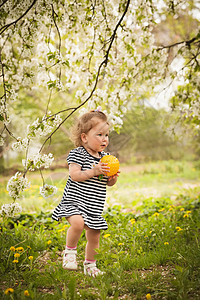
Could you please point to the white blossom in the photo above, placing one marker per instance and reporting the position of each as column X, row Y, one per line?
column 16, row 185
column 38, row 161
column 21, row 144
column 10, row 210
column 1, row 141
column 48, row 190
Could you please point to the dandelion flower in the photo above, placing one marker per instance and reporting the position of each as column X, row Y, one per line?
column 49, row 242
column 12, row 248
column 182, row 209
column 156, row 214
column 166, row 243
column 26, row 293
column 186, row 216
column 65, row 226
column 188, row 212
column 148, row 296
column 106, row 235
column 9, row 291
column 178, row 228
column 15, row 261
column 120, row 244
column 162, row 209
column 132, row 221
column 30, row 257
column 19, row 249
column 16, row 255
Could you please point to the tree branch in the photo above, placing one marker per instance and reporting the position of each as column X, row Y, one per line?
column 104, row 62
column 59, row 36
column 5, row 27
column 115, row 31
column 188, row 43
column 3, row 3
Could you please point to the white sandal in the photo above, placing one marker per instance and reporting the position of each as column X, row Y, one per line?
column 69, row 259
column 92, row 270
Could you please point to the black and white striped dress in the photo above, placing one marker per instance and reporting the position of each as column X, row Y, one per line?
column 85, row 198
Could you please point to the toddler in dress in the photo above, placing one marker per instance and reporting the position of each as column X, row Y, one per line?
column 84, row 195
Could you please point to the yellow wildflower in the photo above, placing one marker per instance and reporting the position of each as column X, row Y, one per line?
column 156, row 214
column 65, row 226
column 17, row 255
column 178, row 228
column 166, row 243
column 132, row 221
column 12, row 248
column 106, row 235
column 9, row 291
column 148, row 296
column 49, row 242
column 19, row 249
column 185, row 216
column 171, row 208
column 30, row 257
column 162, row 209
column 26, row 293
column 150, row 232
column 15, row 261
column 28, row 247
column 120, row 244
column 182, row 209
column 188, row 212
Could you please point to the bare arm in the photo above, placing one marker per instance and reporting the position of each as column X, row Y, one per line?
column 78, row 175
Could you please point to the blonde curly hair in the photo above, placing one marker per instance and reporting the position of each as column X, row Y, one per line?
column 84, row 124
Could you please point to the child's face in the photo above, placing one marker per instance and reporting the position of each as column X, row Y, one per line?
column 96, row 140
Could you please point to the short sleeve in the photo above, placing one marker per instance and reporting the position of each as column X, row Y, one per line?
column 76, row 156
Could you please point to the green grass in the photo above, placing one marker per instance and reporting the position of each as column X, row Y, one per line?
column 136, row 183
column 152, row 247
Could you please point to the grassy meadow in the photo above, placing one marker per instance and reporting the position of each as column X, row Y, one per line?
column 150, row 251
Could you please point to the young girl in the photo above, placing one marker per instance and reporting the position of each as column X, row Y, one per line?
column 84, row 195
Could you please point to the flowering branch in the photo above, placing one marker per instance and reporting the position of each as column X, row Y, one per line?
column 59, row 36
column 5, row 27
column 104, row 62
column 115, row 31
column 3, row 3
column 187, row 43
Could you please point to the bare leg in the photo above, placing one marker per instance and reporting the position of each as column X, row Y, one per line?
column 75, row 230
column 92, row 237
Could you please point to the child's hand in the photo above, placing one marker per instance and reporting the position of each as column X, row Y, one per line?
column 101, row 168
column 114, row 177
